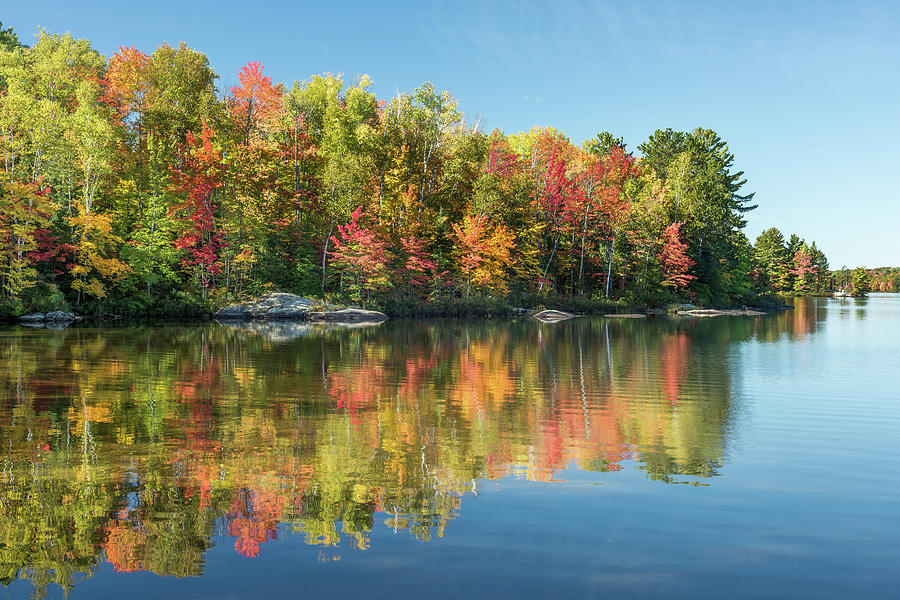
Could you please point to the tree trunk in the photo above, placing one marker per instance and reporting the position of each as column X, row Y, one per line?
column 609, row 265
column 325, row 254
column 549, row 260
column 581, row 265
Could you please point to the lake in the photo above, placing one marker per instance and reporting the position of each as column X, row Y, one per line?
column 749, row 457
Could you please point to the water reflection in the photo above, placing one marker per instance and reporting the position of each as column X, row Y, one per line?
column 138, row 446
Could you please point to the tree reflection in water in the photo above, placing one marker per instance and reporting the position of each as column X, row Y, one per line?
column 139, row 445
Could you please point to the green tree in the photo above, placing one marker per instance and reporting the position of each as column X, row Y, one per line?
column 149, row 250
column 603, row 143
column 698, row 166
column 771, row 261
column 180, row 94
column 343, row 129
column 861, row 282
column 8, row 39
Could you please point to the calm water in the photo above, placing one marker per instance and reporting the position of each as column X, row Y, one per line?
column 595, row 458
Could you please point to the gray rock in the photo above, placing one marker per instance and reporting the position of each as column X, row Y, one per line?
column 59, row 316
column 273, row 306
column 278, row 306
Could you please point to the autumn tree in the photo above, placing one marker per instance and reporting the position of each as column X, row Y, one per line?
column 25, row 211
column 256, row 104
column 674, row 259
column 484, row 254
column 197, row 177
column 803, row 270
column 417, row 270
column 93, row 236
column 95, row 265
column 361, row 256
column 258, row 192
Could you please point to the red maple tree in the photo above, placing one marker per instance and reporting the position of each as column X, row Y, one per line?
column 256, row 100
column 675, row 261
column 361, row 254
column 198, row 173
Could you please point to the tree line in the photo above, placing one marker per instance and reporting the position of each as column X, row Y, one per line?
column 861, row 280
column 134, row 185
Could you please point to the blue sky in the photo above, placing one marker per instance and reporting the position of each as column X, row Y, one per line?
column 806, row 93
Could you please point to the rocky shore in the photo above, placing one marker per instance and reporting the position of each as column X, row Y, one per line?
column 285, row 307
column 56, row 319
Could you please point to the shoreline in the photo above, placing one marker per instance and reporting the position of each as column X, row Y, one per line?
column 318, row 311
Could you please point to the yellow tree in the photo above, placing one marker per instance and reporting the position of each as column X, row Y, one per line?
column 93, row 135
column 483, row 253
column 93, row 240
column 24, row 210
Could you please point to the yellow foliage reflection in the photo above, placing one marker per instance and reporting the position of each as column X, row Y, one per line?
column 138, row 446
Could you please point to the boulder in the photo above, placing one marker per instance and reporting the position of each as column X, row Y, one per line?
column 55, row 319
column 626, row 316
column 552, row 316
column 347, row 315
column 58, row 316
column 278, row 306
column 274, row 306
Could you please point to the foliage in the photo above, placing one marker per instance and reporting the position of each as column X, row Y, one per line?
column 484, row 254
column 197, row 176
column 861, row 282
column 8, row 39
column 25, row 211
column 674, row 258
column 153, row 183
column 361, row 256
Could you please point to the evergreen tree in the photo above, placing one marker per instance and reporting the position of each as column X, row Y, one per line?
column 771, row 258
column 861, row 282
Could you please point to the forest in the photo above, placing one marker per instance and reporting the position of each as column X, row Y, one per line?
column 861, row 280
column 133, row 185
